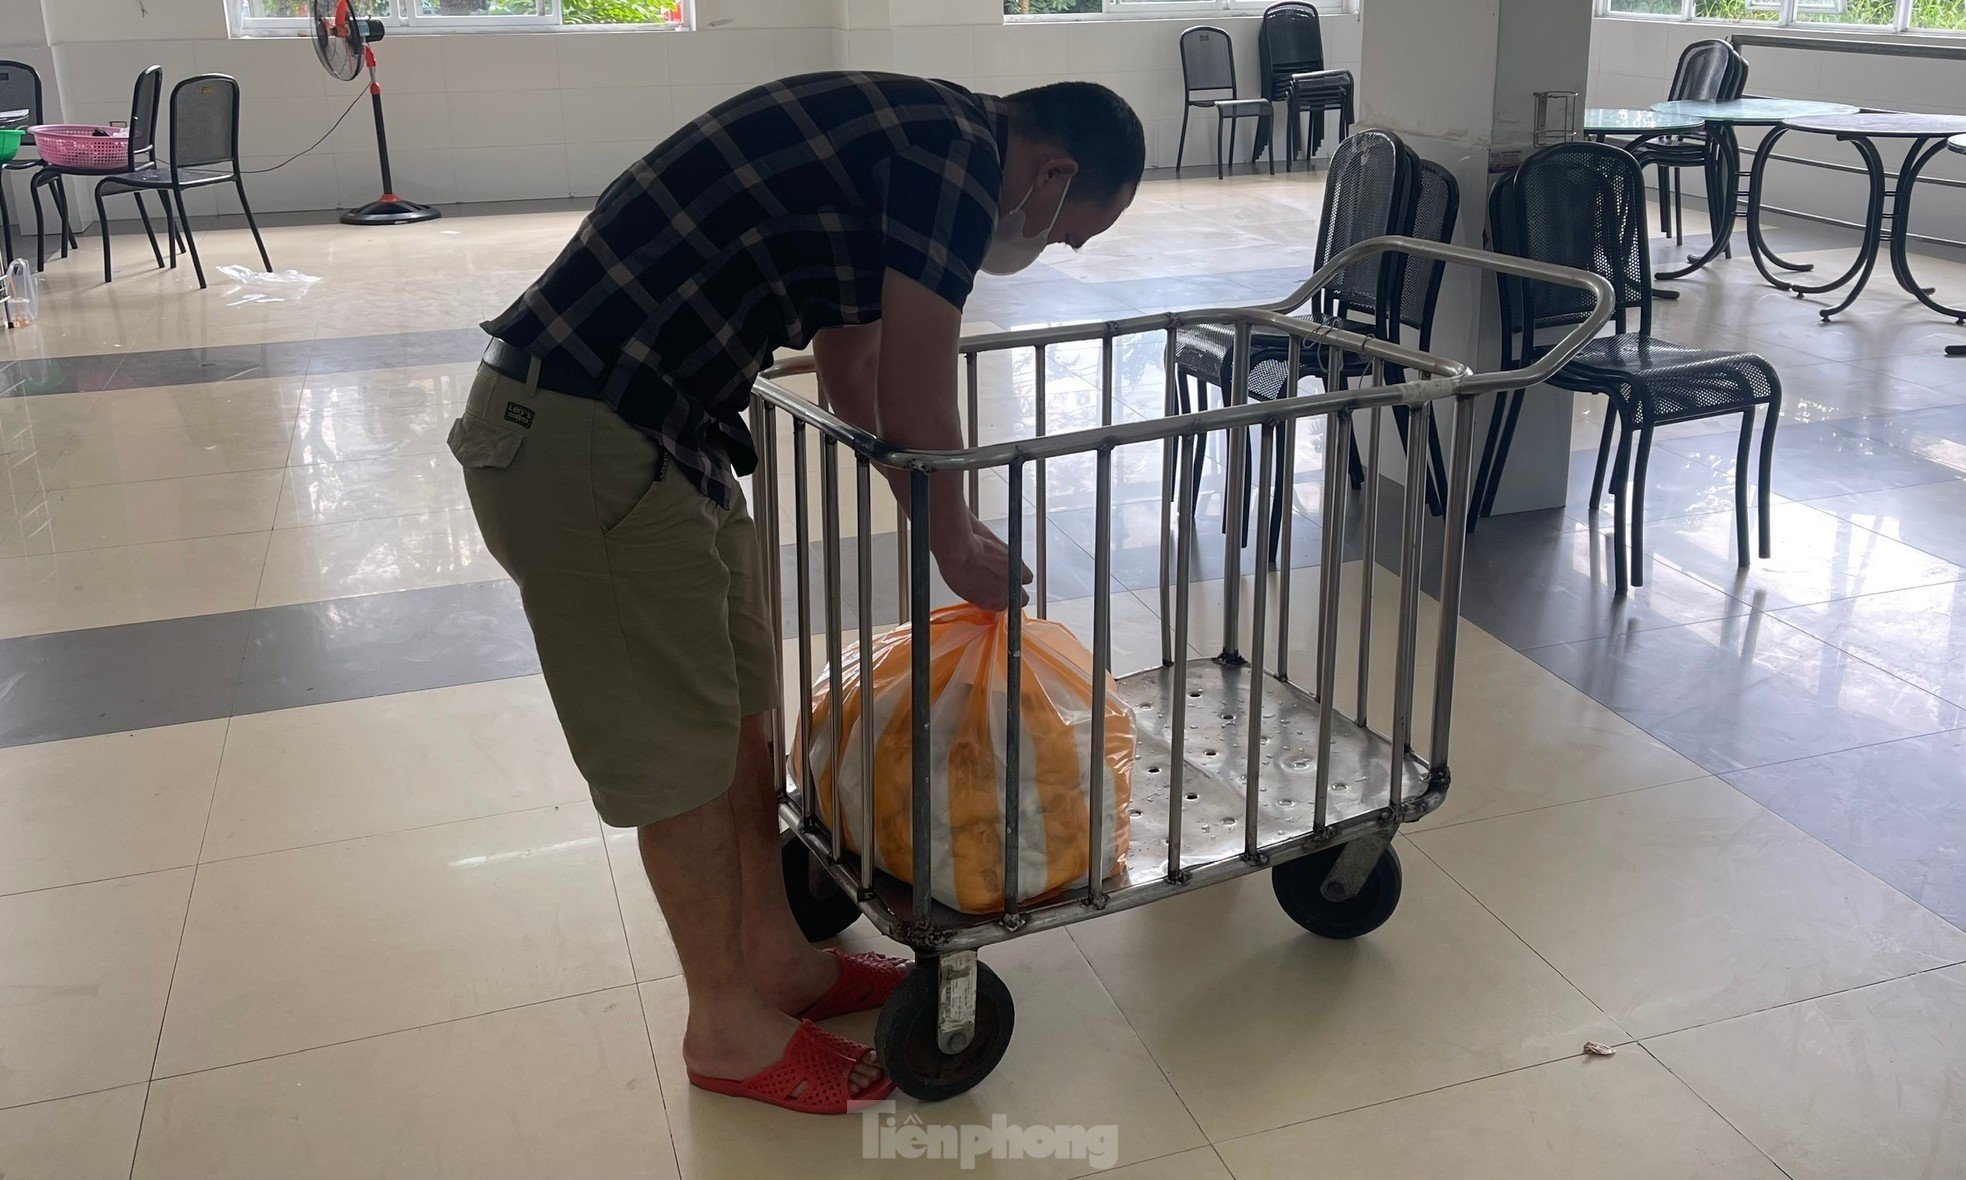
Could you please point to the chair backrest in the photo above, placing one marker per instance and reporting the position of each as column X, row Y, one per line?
column 1710, row 71
column 1580, row 205
column 20, row 90
column 205, row 121
column 1368, row 193
column 1436, row 209
column 148, row 93
column 1208, row 61
column 1289, row 41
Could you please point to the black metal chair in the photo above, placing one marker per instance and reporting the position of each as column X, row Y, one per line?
column 1208, row 67
column 1582, row 205
column 1709, row 71
column 1290, row 46
column 1376, row 186
column 20, row 90
column 140, row 152
column 204, row 133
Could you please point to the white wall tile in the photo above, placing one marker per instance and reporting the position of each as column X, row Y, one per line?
column 511, row 173
column 414, row 121
column 591, row 167
column 278, row 125
column 1020, row 50
column 629, row 58
column 106, row 71
column 870, row 49
column 935, row 52
column 806, row 51
column 494, row 119
column 307, row 183
column 265, row 66
column 405, row 65
column 121, row 20
column 515, row 62
column 735, row 55
column 618, row 114
column 424, row 176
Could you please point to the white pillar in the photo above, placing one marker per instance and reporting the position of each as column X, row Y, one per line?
column 1457, row 81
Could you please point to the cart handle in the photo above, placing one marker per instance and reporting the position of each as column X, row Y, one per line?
column 1452, row 378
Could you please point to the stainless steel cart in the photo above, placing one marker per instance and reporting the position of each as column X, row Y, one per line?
column 1239, row 766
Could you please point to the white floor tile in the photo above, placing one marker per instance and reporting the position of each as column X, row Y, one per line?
column 326, row 493
column 1259, row 1024
column 1073, row 1061
column 138, row 583
column 104, row 515
column 385, row 764
column 1864, row 1083
column 107, row 806
column 84, row 970
column 1686, row 904
column 88, row 1137
column 649, row 944
column 1613, row 1118
column 564, row 1088
column 329, row 561
column 294, row 950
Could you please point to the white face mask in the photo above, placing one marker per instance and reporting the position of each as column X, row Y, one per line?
column 1010, row 251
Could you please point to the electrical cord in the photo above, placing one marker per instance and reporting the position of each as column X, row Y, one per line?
column 317, row 143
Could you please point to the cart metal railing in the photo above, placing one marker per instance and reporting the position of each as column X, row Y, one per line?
column 1214, row 734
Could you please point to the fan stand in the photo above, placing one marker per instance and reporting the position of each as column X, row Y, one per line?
column 389, row 209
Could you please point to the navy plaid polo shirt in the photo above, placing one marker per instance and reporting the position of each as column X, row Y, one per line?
column 770, row 217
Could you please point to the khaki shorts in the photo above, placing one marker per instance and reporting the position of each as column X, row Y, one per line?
column 646, row 600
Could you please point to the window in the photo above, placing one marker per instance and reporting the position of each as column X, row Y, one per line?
column 453, row 16
column 1043, row 8
column 1882, row 16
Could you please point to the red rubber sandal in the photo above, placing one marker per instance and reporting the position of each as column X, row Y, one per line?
column 814, row 1076
column 866, row 981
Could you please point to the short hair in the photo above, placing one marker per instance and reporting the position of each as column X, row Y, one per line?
column 1094, row 126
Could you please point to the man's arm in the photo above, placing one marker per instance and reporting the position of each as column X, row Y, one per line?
column 898, row 379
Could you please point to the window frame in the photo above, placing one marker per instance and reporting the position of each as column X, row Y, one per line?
column 1791, row 14
column 401, row 18
column 1171, row 9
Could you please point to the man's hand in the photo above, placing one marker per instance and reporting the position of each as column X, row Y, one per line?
column 975, row 563
column 897, row 378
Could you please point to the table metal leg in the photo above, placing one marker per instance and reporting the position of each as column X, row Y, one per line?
column 1916, row 159
column 1723, row 177
column 1874, row 232
column 1764, row 256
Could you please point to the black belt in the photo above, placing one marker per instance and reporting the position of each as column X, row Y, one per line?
column 558, row 375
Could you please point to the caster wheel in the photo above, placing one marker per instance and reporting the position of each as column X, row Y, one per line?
column 821, row 910
column 1299, row 889
column 907, row 1042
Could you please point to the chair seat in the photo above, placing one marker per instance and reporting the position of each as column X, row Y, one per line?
column 159, row 176
column 1656, row 381
column 1255, row 106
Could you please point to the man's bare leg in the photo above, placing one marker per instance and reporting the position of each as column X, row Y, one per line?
column 733, row 1030
column 787, row 970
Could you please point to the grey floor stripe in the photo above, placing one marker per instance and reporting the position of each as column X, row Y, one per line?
column 236, row 362
column 73, row 684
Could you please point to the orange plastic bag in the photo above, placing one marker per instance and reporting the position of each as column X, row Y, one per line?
column 968, row 676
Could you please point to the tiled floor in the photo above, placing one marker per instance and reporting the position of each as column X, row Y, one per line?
column 296, row 878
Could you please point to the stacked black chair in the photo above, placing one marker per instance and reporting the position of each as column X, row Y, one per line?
column 1208, row 82
column 141, row 152
column 1376, row 186
column 20, row 90
column 1709, row 71
column 1290, row 45
column 1582, row 205
column 204, row 151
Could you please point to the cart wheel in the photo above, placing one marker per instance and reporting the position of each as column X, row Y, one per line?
column 821, row 910
column 906, row 1035
column 1299, row 883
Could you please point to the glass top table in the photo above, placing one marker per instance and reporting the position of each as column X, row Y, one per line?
column 1747, row 112
column 1636, row 121
column 1888, row 211
column 1724, row 157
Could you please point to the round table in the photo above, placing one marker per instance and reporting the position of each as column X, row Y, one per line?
column 1724, row 157
column 1641, row 122
column 1926, row 136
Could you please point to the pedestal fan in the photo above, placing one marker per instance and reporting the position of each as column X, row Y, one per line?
column 343, row 43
